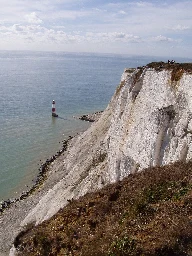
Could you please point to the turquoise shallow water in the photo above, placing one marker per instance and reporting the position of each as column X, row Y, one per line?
column 29, row 81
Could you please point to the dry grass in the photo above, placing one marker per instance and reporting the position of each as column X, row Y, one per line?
column 148, row 213
column 177, row 68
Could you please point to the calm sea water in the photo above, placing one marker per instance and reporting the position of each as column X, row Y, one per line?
column 29, row 81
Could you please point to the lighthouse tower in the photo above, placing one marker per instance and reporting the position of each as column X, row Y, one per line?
column 53, row 109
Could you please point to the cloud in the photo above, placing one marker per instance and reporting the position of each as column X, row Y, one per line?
column 122, row 12
column 107, row 24
column 35, row 33
column 180, row 28
column 112, row 37
column 126, row 37
column 161, row 38
column 119, row 35
column 58, row 27
column 33, row 18
column 17, row 28
column 142, row 4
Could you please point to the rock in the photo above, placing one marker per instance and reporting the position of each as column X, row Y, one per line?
column 91, row 117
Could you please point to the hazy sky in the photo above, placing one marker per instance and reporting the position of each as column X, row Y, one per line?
column 162, row 28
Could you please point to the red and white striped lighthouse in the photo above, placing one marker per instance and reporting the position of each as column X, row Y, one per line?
column 54, row 109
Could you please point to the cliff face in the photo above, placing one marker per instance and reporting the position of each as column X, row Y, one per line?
column 151, row 124
column 147, row 123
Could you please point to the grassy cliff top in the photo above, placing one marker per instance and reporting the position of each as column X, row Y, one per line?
column 185, row 66
column 177, row 69
column 148, row 213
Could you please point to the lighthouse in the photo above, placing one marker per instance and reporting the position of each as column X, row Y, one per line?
column 53, row 109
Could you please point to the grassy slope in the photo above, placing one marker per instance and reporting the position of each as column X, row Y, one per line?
column 148, row 213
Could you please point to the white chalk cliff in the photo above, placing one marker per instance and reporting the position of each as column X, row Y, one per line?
column 147, row 123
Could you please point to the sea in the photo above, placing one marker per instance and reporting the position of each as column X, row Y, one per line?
column 80, row 83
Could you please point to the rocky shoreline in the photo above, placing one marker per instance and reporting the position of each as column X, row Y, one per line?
column 39, row 179
column 44, row 166
column 90, row 117
column 13, row 211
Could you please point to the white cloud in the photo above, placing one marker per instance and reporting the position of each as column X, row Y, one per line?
column 122, row 12
column 112, row 37
column 105, row 24
column 180, row 28
column 33, row 18
column 58, row 27
column 37, row 34
column 17, row 28
column 142, row 4
column 161, row 38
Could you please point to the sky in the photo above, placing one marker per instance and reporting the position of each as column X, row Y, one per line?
column 155, row 28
